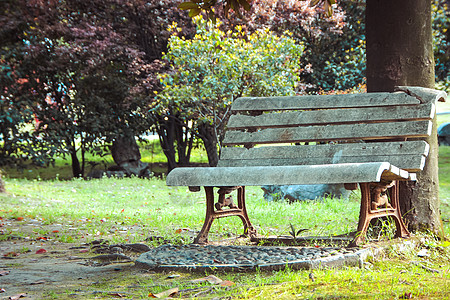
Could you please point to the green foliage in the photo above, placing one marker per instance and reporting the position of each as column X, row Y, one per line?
column 441, row 36
column 338, row 60
column 215, row 67
column 72, row 73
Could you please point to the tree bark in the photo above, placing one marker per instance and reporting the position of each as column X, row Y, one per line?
column 209, row 138
column 76, row 167
column 2, row 184
column 126, row 154
column 166, row 134
column 400, row 53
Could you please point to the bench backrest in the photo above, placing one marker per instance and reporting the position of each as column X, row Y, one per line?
column 330, row 129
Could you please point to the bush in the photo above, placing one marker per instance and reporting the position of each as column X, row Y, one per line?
column 215, row 67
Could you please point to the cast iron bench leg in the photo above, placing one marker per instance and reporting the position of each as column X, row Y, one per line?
column 212, row 214
column 367, row 213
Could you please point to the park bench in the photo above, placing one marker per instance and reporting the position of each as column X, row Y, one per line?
column 371, row 139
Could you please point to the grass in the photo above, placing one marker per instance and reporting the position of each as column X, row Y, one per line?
column 102, row 207
column 151, row 153
column 132, row 210
column 394, row 277
column 443, row 107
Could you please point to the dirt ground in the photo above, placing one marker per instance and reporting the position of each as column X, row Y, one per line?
column 34, row 267
column 27, row 270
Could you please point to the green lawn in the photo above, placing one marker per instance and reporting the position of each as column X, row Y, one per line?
column 132, row 209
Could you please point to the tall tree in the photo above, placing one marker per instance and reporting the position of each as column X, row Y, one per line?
column 399, row 53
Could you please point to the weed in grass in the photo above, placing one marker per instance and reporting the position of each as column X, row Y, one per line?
column 51, row 295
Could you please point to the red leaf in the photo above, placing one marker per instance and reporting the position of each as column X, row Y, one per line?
column 11, row 254
column 406, row 296
column 55, row 231
column 19, row 218
column 40, row 251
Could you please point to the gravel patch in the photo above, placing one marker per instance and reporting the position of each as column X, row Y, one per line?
column 245, row 258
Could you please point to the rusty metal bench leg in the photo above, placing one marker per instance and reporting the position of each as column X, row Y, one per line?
column 249, row 230
column 372, row 208
column 216, row 211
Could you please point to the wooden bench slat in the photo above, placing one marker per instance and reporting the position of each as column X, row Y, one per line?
column 411, row 163
column 285, row 175
column 330, row 133
column 334, row 116
column 327, row 150
column 323, row 101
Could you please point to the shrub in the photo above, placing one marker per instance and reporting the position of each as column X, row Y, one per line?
column 215, row 67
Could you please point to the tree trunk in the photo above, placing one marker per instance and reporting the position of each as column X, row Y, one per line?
column 126, row 154
column 173, row 130
column 2, row 184
column 76, row 168
column 209, row 138
column 166, row 133
column 400, row 53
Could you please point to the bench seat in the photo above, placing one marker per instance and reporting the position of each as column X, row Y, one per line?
column 287, row 175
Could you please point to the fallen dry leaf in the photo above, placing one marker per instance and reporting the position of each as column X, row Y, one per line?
column 40, row 251
column 3, row 273
column 227, row 283
column 116, row 295
column 211, row 279
column 38, row 282
column 15, row 297
column 165, row 294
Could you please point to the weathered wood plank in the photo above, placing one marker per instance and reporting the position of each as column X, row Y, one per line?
column 334, row 116
column 424, row 94
column 327, row 150
column 330, row 133
column 323, row 101
column 412, row 163
column 284, row 175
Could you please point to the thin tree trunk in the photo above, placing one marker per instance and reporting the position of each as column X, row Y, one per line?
column 167, row 140
column 2, row 184
column 76, row 168
column 209, row 138
column 400, row 53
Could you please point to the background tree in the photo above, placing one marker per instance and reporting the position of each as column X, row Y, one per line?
column 77, row 66
column 212, row 69
column 333, row 55
column 15, row 107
